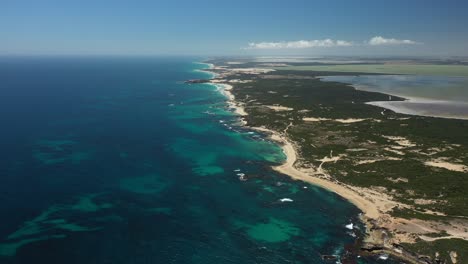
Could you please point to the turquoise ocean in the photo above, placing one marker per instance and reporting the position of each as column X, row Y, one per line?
column 117, row 160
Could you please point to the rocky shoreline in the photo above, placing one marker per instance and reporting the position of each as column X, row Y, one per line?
column 378, row 239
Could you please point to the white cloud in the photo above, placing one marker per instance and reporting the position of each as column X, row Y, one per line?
column 327, row 43
column 380, row 41
column 301, row 44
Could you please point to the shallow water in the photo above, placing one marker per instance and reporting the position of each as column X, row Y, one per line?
column 116, row 160
column 428, row 95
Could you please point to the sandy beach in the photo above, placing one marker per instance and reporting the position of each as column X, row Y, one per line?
column 370, row 204
column 371, row 208
column 375, row 206
column 225, row 89
column 382, row 229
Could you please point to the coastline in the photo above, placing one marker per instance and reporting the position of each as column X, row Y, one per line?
column 225, row 89
column 237, row 107
column 383, row 232
column 373, row 205
column 370, row 209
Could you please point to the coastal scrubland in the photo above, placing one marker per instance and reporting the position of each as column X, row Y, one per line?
column 419, row 164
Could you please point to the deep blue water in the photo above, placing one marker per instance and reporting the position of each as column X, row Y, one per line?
column 116, row 160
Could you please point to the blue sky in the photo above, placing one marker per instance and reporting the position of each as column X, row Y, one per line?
column 331, row 27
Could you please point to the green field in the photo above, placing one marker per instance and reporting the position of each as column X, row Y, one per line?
column 442, row 70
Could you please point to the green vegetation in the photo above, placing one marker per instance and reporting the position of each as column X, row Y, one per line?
column 443, row 248
column 419, row 69
column 398, row 169
column 383, row 150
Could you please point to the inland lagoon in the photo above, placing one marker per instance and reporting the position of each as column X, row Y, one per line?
column 438, row 96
